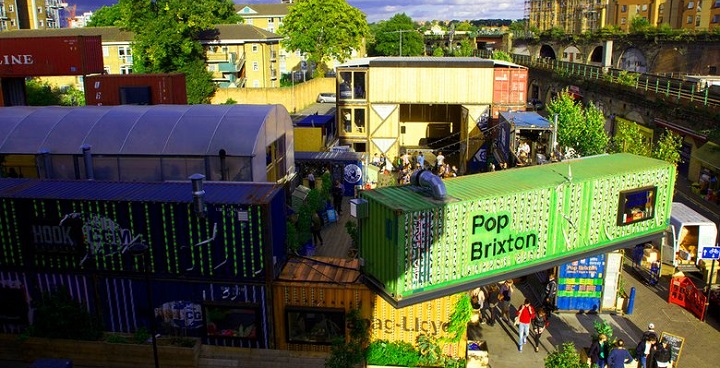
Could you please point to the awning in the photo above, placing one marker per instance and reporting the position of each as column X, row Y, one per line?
column 709, row 155
column 681, row 130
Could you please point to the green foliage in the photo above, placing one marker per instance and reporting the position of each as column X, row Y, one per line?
column 639, row 24
column 41, row 93
column 501, row 55
column 518, row 25
column 107, row 16
column 430, row 350
column 116, row 339
column 293, row 242
column 315, row 200
column 457, row 326
column 344, row 355
column 229, row 101
column 438, row 51
column 304, row 224
column 624, row 78
column 167, row 38
column 668, row 147
column 565, row 356
column 141, row 335
column 582, row 129
column 605, row 328
column 466, row 48
column 183, row 342
column 388, row 37
column 630, row 139
column 59, row 316
column 352, row 230
column 324, row 29
column 383, row 352
column 72, row 96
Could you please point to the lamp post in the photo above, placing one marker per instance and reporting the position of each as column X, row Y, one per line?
column 142, row 249
column 401, row 33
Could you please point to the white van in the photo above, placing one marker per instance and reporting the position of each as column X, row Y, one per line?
column 689, row 232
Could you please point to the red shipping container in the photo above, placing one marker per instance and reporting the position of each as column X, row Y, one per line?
column 510, row 86
column 50, row 56
column 498, row 108
column 135, row 89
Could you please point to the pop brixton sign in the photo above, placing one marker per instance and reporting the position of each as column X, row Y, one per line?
column 488, row 229
column 580, row 284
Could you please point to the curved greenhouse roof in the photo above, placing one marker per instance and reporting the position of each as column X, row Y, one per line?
column 180, row 130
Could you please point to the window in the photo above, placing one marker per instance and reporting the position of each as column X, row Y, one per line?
column 212, row 67
column 106, row 51
column 256, row 83
column 697, row 21
column 39, row 10
column 42, row 24
column 622, row 21
column 271, row 20
column 248, row 21
column 691, row 4
column 256, row 66
column 715, row 18
column 661, row 7
column 636, row 205
column 125, row 53
column 315, row 326
column 106, row 69
column 644, row 7
column 623, row 8
column 254, row 48
column 689, row 19
column 126, row 69
column 11, row 8
column 716, row 5
column 233, row 322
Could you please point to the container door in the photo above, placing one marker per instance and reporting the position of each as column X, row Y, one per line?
column 706, row 238
column 667, row 249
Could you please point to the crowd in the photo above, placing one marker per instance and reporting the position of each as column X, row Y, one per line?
column 411, row 161
column 491, row 304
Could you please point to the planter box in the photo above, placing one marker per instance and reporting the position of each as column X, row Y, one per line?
column 111, row 355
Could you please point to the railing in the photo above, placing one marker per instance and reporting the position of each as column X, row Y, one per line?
column 679, row 89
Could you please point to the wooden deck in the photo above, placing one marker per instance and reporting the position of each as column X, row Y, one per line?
column 337, row 242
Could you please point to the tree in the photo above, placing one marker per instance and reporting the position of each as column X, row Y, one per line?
column 501, row 55
column 438, row 51
column 564, row 356
column 639, row 24
column 630, row 139
column 668, row 147
column 582, row 129
column 466, row 48
column 167, row 38
column 396, row 34
column 41, row 93
column 107, row 16
column 324, row 29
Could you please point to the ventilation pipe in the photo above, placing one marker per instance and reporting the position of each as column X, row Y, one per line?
column 427, row 179
column 198, row 194
column 47, row 163
column 87, row 156
column 223, row 165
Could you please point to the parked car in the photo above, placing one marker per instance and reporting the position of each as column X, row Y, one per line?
column 326, row 97
column 535, row 105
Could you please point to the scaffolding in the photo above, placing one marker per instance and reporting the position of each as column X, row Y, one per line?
column 573, row 16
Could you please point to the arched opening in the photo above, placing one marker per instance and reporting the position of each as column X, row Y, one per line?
column 633, row 60
column 596, row 55
column 547, row 52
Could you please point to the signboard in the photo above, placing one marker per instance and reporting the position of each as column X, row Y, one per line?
column 580, row 284
column 710, row 253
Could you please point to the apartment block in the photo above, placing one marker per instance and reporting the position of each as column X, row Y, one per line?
column 30, row 14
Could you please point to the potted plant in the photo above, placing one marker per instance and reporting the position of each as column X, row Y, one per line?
column 621, row 294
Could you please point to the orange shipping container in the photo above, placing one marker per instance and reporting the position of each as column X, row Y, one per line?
column 135, row 89
column 50, row 56
column 510, row 86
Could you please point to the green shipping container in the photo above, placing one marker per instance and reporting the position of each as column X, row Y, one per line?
column 505, row 224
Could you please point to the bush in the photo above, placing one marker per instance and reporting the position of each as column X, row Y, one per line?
column 59, row 316
column 565, row 356
column 383, row 352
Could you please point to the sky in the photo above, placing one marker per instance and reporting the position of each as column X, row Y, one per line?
column 377, row 10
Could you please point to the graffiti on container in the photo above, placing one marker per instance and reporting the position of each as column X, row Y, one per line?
column 181, row 314
column 420, row 257
column 492, row 236
column 390, row 326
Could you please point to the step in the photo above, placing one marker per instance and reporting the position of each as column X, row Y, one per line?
column 218, row 363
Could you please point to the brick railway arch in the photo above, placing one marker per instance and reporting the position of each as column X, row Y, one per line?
column 547, row 51
column 632, row 59
column 571, row 54
column 671, row 60
column 596, row 55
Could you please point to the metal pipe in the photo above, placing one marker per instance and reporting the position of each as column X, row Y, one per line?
column 198, row 193
column 47, row 163
column 427, row 179
column 87, row 157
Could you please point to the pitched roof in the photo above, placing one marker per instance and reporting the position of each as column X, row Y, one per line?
column 114, row 34
column 262, row 10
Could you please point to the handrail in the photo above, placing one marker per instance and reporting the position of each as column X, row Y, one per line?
column 677, row 88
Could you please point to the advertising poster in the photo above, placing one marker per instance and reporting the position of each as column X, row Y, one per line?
column 580, row 284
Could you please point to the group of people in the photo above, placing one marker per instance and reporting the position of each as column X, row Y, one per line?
column 650, row 352
column 531, row 320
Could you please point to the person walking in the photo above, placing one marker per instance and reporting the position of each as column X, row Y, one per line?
column 439, row 161
column 549, row 295
column 619, row 356
column 492, row 297
column 524, row 317
column 311, row 180
column 599, row 351
column 421, row 160
column 539, row 324
column 337, row 194
column 316, row 228
column 505, row 296
column 644, row 350
column 477, row 301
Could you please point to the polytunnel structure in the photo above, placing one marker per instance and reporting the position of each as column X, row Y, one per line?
column 148, row 143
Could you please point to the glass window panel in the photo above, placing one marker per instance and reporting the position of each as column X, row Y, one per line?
column 315, row 326
column 239, row 168
column 140, row 169
column 105, row 168
column 63, row 167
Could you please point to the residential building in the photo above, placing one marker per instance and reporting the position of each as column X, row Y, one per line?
column 577, row 16
column 30, row 14
column 238, row 55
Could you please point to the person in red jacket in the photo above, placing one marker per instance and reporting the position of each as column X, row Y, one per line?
column 524, row 316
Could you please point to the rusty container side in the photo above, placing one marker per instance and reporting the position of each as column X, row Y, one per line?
column 510, row 86
column 157, row 89
column 50, row 56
